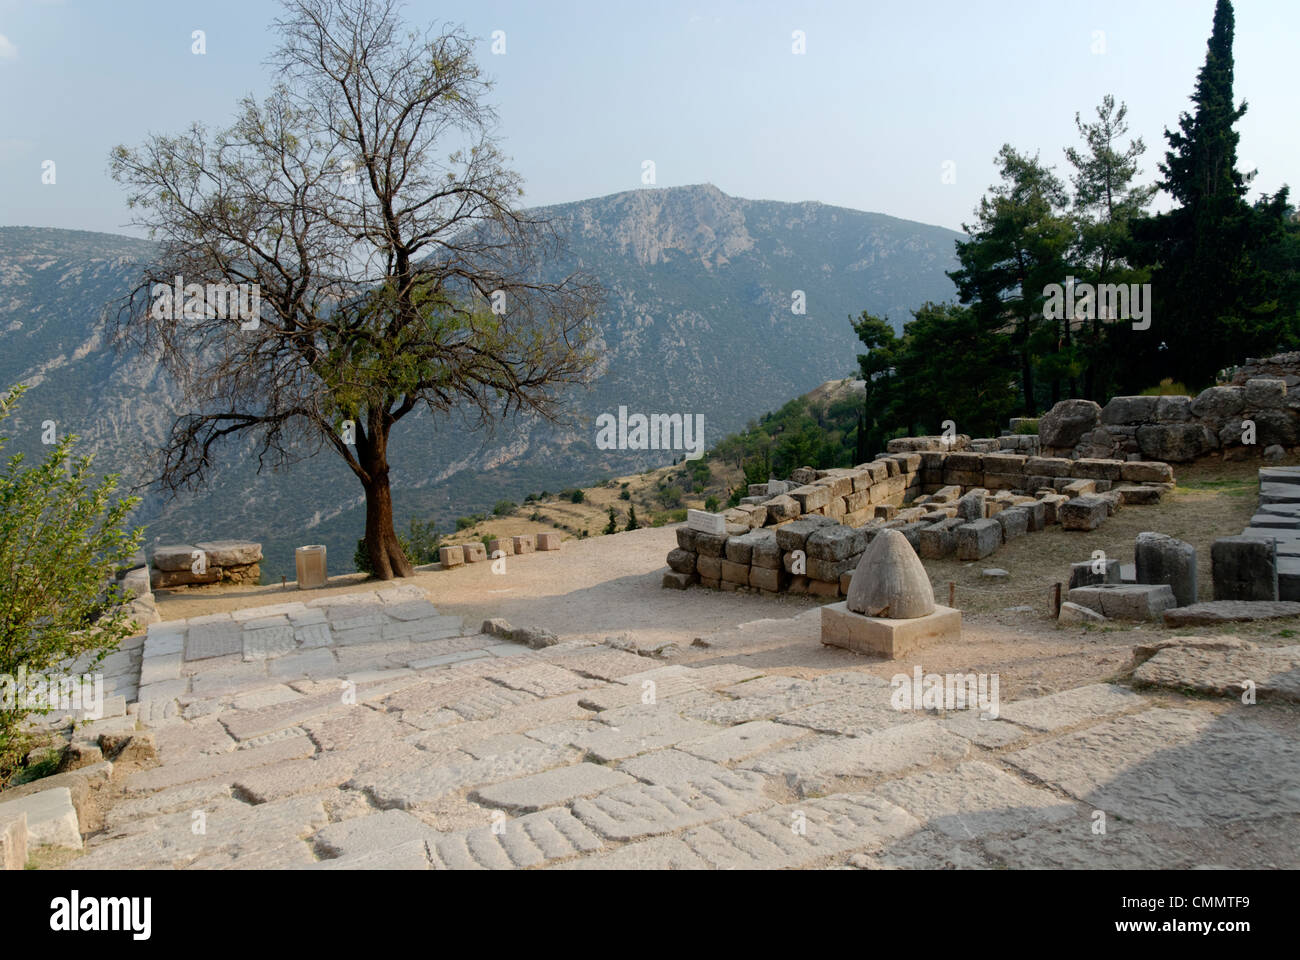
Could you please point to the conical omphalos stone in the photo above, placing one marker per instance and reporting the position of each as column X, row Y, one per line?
column 890, row 581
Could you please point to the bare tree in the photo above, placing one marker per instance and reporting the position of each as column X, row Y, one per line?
column 366, row 201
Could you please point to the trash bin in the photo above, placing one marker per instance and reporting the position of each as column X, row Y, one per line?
column 310, row 562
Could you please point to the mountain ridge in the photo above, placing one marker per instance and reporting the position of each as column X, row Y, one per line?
column 698, row 319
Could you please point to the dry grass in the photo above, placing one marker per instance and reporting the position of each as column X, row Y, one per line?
column 1211, row 500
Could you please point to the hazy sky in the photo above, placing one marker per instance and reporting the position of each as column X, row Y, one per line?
column 884, row 96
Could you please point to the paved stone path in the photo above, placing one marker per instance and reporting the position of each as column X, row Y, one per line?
column 369, row 731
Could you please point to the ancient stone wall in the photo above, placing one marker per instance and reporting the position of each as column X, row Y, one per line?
column 212, row 561
column 807, row 534
column 1257, row 418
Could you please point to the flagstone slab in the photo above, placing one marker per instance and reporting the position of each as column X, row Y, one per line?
column 801, row 835
column 206, row 767
column 1071, row 707
column 743, row 741
column 1177, row 767
column 650, row 729
column 247, row 724
column 550, row 788
column 419, row 786
column 976, row 799
column 644, row 810
column 887, row 752
column 529, row 841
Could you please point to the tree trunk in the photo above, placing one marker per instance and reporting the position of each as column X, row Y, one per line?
column 387, row 559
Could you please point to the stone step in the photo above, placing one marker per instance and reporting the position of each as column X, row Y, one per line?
column 1290, row 475
column 1288, row 576
column 1274, row 492
column 51, row 818
column 1275, row 520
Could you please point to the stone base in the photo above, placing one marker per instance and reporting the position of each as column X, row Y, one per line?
column 890, row 639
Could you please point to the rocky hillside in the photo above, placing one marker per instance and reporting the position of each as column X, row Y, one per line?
column 698, row 320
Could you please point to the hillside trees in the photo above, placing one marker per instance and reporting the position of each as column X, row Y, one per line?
column 366, row 202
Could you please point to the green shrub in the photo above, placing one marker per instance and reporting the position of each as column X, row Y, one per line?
column 667, row 517
column 670, row 497
column 577, row 496
column 625, row 495
column 1166, row 388
column 503, row 507
column 711, row 503
column 1027, row 427
column 62, row 537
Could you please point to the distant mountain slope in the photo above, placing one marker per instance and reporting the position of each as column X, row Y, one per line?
column 698, row 320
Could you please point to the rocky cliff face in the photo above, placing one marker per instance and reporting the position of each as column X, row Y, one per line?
column 698, row 320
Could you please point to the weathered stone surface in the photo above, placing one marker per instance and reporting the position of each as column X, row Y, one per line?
column 648, row 727
column 743, row 741
column 977, row 539
column 268, row 643
column 1146, row 471
column 938, row 540
column 1174, row 442
column 50, row 815
column 830, row 826
column 711, row 523
column 1265, row 393
column 1217, row 404
column 451, row 556
column 888, row 752
column 1014, row 523
column 876, row 636
column 975, row 799
column 551, row 788
column 1270, row 673
column 414, row 787
column 1244, row 568
column 890, row 581
column 794, row 536
column 13, row 841
column 1125, row 601
column 783, row 507
column 1067, row 423
column 1092, row 572
column 1071, row 707
column 835, row 543
column 681, row 561
column 1162, row 559
column 529, row 841
column 231, row 553
column 644, row 810
column 971, row 506
column 1230, row 611
column 1075, row 613
column 1174, row 768
column 1082, row 513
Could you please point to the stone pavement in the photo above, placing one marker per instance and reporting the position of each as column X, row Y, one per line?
column 367, row 731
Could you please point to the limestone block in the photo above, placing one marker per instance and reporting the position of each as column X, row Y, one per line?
column 877, row 636
column 1244, row 568
column 1014, row 523
column 548, row 541
column 713, row 523
column 1092, row 572
column 231, row 553
column 451, row 557
column 977, row 539
column 1082, row 513
column 475, row 552
column 1144, row 471
column 681, row 561
column 1163, row 559
column 1126, row 601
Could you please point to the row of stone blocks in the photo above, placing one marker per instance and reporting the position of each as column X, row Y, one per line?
column 855, row 496
column 210, row 561
column 1263, row 563
column 816, row 555
column 460, row 554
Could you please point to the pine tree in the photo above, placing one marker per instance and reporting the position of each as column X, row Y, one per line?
column 612, row 526
column 631, row 519
column 1106, row 202
column 1017, row 247
column 1209, row 307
